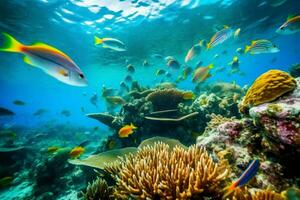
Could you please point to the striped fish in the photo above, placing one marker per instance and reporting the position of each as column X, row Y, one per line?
column 247, row 175
column 261, row 46
column 291, row 26
column 220, row 37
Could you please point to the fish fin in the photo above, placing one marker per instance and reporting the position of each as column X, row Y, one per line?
column 27, row 60
column 290, row 16
column 229, row 189
column 47, row 46
column 208, row 46
column 98, row 40
column 133, row 126
column 225, row 26
column 10, row 44
column 63, row 72
column 247, row 48
column 211, row 66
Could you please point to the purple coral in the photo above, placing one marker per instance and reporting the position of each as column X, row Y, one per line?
column 232, row 129
column 287, row 132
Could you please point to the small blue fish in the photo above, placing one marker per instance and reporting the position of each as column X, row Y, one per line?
column 248, row 174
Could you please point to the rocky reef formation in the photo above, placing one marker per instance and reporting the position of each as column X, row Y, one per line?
column 165, row 112
column 271, row 133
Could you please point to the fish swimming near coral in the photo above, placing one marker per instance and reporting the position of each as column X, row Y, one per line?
column 172, row 62
column 237, row 33
column 189, row 95
column 291, row 26
column 39, row 112
column 130, row 68
column 220, row 37
column 115, row 100
column 65, row 113
column 94, row 99
column 19, row 103
column 193, row 51
column 248, row 174
column 76, row 152
column 52, row 149
column 201, row 74
column 126, row 130
column 160, row 72
column 6, row 112
column 110, row 43
column 261, row 46
column 49, row 59
column 235, row 63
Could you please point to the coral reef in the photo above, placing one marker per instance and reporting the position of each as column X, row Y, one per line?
column 156, row 172
column 98, row 190
column 267, row 87
column 165, row 99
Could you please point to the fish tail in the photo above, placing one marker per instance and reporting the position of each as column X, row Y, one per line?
column 98, row 40
column 229, row 189
column 10, row 44
column 133, row 126
column 208, row 46
column 247, row 49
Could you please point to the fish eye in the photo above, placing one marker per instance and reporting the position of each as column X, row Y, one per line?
column 281, row 28
column 81, row 76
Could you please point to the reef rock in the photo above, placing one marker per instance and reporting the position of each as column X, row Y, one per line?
column 281, row 118
column 267, row 87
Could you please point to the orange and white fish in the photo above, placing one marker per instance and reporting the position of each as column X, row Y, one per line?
column 126, row 130
column 291, row 26
column 110, row 43
column 201, row 74
column 193, row 51
column 51, row 60
column 76, row 152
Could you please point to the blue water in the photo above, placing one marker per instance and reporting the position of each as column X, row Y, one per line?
column 166, row 27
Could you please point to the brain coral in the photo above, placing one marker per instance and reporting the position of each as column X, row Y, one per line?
column 157, row 172
column 268, row 87
column 166, row 98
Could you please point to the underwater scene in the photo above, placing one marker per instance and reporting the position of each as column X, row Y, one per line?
column 150, row 99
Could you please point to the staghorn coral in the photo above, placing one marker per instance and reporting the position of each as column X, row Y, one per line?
column 165, row 99
column 156, row 172
column 268, row 87
column 98, row 190
column 245, row 194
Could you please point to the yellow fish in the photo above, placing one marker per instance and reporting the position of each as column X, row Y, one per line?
column 76, row 152
column 49, row 59
column 52, row 149
column 188, row 95
column 126, row 130
column 110, row 43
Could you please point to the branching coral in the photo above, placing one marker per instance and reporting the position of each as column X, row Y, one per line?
column 98, row 190
column 245, row 194
column 166, row 98
column 268, row 87
column 156, row 172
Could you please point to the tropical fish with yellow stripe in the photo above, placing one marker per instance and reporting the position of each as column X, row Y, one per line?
column 110, row 43
column 49, row 59
column 291, row 26
column 261, row 46
column 220, row 37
